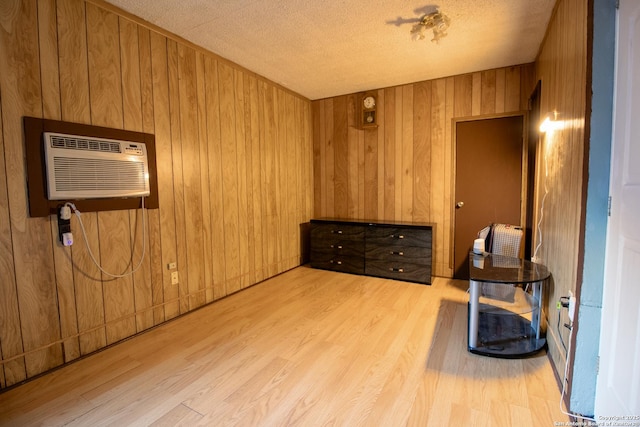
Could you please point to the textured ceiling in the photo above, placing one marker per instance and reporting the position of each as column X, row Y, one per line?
column 326, row 48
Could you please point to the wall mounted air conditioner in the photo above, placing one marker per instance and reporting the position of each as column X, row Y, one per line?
column 82, row 167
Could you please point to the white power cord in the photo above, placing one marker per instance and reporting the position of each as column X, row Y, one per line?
column 546, row 192
column 86, row 241
column 564, row 382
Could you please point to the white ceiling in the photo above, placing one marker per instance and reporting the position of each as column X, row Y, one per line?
column 321, row 49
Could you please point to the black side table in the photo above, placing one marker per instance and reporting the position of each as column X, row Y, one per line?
column 505, row 320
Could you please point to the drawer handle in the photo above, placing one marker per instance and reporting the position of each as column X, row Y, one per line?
column 397, row 236
column 397, row 270
column 338, row 247
column 396, row 253
column 336, row 262
column 336, row 231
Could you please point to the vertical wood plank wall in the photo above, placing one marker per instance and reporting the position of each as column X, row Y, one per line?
column 403, row 169
column 234, row 155
column 562, row 68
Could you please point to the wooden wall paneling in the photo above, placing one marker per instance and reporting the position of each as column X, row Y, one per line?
column 448, row 172
column 154, row 238
column 307, row 172
column 562, row 69
column 389, row 152
column 106, row 100
column 340, row 157
column 353, row 161
column 408, row 171
column 75, row 107
column 310, row 173
column 178, row 178
column 250, row 274
column 292, row 180
column 512, row 89
column 241, row 156
column 74, row 77
column 268, row 178
column 132, row 115
column 191, row 174
column 305, row 186
column 215, row 177
column 166, row 199
column 49, row 75
column 280, row 144
column 205, row 180
column 257, row 118
column 463, row 90
column 488, row 104
column 329, row 159
column 31, row 237
column 371, row 172
column 300, row 145
column 130, row 73
column 321, row 208
column 360, row 136
column 476, row 97
column 229, row 177
column 397, row 169
column 380, row 153
column 438, row 98
column 500, row 90
column 288, row 186
column 88, row 64
column 277, row 135
column 527, row 85
column 281, row 182
column 14, row 370
column 395, row 166
column 422, row 152
column 318, row 158
column 462, row 106
column 297, row 141
column 264, row 219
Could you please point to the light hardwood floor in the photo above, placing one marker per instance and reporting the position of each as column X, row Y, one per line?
column 308, row 348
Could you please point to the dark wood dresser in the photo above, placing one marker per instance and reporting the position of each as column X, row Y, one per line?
column 389, row 249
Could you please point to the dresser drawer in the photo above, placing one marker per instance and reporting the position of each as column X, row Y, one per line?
column 345, row 264
column 399, row 253
column 332, row 231
column 393, row 236
column 399, row 270
column 338, row 247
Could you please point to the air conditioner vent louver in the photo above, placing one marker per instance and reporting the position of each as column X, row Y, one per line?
column 81, row 167
column 79, row 143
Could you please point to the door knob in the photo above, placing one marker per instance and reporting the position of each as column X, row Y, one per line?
column 459, row 205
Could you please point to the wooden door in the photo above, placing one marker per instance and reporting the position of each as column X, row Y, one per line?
column 618, row 385
column 488, row 181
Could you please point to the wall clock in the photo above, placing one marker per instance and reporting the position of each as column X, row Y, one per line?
column 369, row 102
column 369, row 111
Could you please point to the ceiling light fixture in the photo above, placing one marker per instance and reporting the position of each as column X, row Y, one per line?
column 436, row 21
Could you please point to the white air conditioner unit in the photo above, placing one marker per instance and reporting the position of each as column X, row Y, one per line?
column 84, row 167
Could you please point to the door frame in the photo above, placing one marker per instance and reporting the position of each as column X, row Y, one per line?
column 524, row 179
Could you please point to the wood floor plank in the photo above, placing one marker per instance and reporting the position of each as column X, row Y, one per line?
column 178, row 416
column 307, row 347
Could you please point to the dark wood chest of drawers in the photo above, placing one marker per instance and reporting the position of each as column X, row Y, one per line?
column 393, row 250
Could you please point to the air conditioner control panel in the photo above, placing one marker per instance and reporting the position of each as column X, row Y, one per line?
column 134, row 149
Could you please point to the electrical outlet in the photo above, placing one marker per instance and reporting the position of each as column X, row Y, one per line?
column 572, row 306
column 174, row 277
